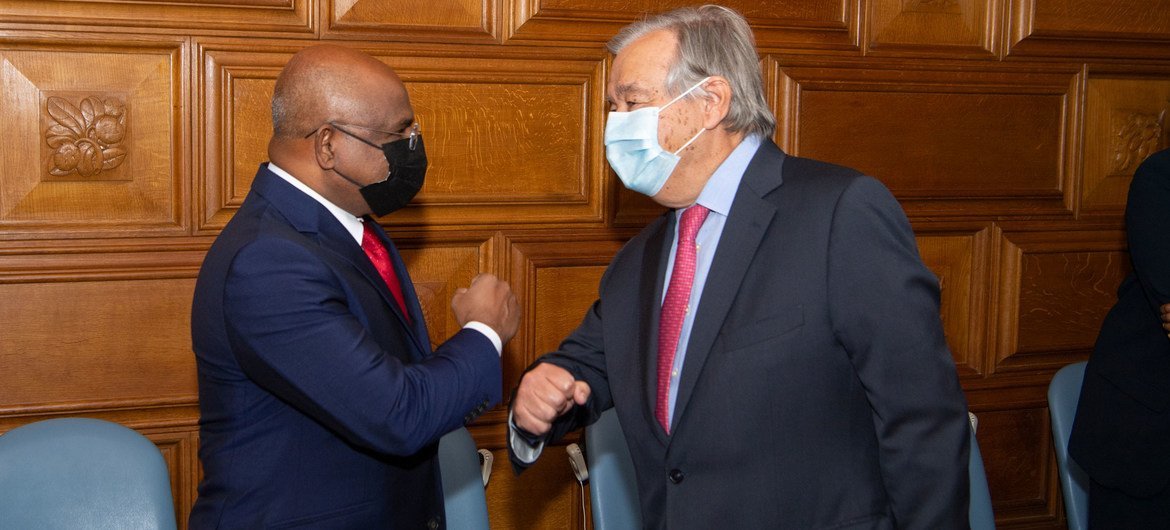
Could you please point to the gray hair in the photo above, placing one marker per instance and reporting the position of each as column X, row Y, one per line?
column 712, row 40
column 282, row 119
column 292, row 117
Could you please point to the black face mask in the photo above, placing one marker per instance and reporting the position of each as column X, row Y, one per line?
column 408, row 169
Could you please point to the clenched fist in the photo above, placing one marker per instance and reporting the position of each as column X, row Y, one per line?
column 545, row 393
column 489, row 300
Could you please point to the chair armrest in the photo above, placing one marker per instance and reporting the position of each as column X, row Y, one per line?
column 577, row 462
column 485, row 465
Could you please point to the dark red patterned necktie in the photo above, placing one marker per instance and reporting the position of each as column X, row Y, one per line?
column 675, row 306
column 378, row 255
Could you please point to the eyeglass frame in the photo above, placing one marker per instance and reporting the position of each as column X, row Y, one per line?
column 411, row 137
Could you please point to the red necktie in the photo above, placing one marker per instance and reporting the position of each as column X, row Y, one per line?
column 378, row 255
column 674, row 307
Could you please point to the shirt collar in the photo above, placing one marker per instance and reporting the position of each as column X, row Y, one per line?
column 352, row 224
column 719, row 192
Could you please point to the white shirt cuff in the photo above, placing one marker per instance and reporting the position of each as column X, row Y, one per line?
column 524, row 452
column 489, row 333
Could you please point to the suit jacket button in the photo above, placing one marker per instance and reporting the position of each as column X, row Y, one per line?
column 433, row 523
column 676, row 476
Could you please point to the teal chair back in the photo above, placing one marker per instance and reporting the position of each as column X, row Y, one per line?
column 464, row 478
column 613, row 491
column 71, row 473
column 979, row 514
column 1063, row 394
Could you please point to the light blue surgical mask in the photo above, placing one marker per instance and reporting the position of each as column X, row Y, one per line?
column 633, row 151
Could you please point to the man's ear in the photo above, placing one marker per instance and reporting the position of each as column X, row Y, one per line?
column 323, row 147
column 716, row 101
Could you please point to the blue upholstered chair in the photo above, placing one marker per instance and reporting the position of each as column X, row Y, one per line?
column 82, row 473
column 609, row 471
column 465, row 471
column 1063, row 394
column 979, row 513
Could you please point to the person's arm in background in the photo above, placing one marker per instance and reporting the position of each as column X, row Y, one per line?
column 1147, row 223
column 1166, row 319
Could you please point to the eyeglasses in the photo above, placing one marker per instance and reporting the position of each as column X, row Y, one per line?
column 412, row 134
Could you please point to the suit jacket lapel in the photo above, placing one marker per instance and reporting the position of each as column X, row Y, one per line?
column 741, row 237
column 422, row 336
column 419, row 329
column 308, row 216
column 650, row 297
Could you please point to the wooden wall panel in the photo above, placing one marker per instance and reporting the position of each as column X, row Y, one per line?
column 235, row 120
column 471, row 125
column 777, row 23
column 545, row 496
column 443, row 20
column 97, row 341
column 1124, row 28
column 493, row 160
column 557, row 282
column 564, row 295
column 1055, row 290
column 1008, row 129
column 517, row 140
column 244, row 17
column 1003, row 149
column 1126, row 120
column 96, row 137
column 178, row 448
column 957, row 257
column 945, row 27
column 437, row 269
column 1021, row 477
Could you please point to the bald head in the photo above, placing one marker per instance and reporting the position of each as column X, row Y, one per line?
column 322, row 92
column 328, row 83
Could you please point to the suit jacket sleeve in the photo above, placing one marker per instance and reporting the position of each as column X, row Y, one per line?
column 582, row 354
column 884, row 306
column 294, row 333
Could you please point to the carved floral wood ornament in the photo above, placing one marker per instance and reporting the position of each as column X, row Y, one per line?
column 1136, row 136
column 86, row 139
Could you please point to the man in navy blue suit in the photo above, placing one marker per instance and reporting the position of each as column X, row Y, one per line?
column 322, row 401
column 1122, row 427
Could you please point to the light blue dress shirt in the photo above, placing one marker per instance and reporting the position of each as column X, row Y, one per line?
column 716, row 196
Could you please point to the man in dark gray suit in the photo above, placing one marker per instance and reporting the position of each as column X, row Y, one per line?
column 772, row 344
